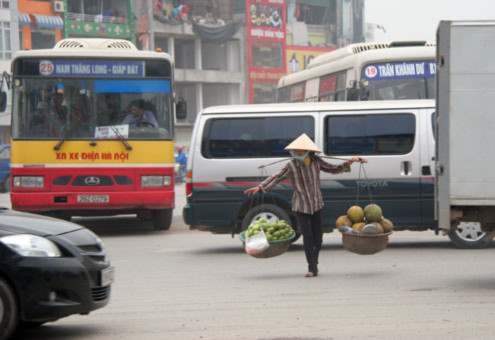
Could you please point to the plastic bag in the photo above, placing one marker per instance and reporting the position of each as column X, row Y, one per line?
column 257, row 243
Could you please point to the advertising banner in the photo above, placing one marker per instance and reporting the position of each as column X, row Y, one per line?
column 298, row 57
column 266, row 40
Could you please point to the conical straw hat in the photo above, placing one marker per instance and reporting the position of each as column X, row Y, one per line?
column 303, row 142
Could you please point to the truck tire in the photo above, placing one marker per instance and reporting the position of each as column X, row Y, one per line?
column 269, row 212
column 9, row 310
column 468, row 235
column 162, row 219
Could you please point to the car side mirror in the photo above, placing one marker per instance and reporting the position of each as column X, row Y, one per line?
column 181, row 109
column 3, row 100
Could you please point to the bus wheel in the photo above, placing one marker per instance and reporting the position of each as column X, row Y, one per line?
column 162, row 219
column 468, row 235
column 6, row 184
column 9, row 310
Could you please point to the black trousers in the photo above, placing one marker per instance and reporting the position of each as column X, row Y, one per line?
column 311, row 227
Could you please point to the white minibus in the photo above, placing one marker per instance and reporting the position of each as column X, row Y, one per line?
column 230, row 143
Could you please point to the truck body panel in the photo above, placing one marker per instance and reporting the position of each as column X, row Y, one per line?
column 465, row 117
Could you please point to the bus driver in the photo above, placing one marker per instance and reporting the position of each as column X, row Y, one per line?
column 139, row 116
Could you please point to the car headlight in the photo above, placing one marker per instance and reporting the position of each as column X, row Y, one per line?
column 31, row 245
column 29, row 181
column 156, row 181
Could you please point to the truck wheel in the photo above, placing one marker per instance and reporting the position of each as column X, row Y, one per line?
column 162, row 219
column 9, row 310
column 270, row 212
column 468, row 235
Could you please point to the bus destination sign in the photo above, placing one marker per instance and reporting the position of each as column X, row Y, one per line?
column 408, row 69
column 91, row 68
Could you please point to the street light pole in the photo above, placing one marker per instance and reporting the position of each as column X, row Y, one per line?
column 150, row 26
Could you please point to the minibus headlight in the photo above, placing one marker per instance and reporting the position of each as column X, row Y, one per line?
column 29, row 181
column 156, row 181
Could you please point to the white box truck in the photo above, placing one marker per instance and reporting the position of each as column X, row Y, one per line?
column 465, row 129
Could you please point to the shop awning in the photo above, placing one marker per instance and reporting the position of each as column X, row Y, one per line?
column 48, row 21
column 24, row 19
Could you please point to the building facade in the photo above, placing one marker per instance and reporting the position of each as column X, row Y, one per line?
column 219, row 56
column 98, row 19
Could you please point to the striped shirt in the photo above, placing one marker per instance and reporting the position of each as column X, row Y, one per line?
column 305, row 180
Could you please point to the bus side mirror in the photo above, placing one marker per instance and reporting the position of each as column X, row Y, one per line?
column 181, row 109
column 352, row 94
column 3, row 100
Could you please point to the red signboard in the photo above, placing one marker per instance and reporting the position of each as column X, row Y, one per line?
column 266, row 41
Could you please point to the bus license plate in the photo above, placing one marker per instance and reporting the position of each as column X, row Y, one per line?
column 106, row 276
column 93, row 198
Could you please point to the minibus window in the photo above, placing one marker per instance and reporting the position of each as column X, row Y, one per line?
column 380, row 134
column 253, row 137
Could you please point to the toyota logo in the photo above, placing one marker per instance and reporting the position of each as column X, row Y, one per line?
column 92, row 180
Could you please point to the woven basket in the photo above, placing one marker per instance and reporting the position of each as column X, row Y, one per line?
column 276, row 247
column 364, row 244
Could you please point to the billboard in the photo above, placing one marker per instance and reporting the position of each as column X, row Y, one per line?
column 298, row 57
column 266, row 42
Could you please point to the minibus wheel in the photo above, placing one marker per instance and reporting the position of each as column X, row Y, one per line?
column 469, row 235
column 162, row 219
column 270, row 212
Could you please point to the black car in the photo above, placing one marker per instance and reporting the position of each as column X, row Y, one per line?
column 49, row 269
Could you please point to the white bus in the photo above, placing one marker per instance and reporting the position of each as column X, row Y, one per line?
column 365, row 71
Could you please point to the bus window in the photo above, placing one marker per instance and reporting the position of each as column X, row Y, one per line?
column 297, row 93
column 283, row 95
column 332, row 87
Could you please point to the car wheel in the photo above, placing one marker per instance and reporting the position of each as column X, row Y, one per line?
column 162, row 219
column 6, row 184
column 469, row 235
column 9, row 310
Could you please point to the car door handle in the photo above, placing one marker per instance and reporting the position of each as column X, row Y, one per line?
column 425, row 170
column 405, row 168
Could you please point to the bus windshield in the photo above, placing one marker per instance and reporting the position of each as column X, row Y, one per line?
column 400, row 80
column 67, row 108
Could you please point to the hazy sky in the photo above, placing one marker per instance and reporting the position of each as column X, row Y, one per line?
column 418, row 19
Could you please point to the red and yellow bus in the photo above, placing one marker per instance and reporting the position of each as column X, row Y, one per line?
column 93, row 130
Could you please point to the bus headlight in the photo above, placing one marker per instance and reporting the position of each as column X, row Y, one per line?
column 156, row 181
column 29, row 181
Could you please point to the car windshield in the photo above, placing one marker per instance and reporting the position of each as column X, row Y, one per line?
column 55, row 109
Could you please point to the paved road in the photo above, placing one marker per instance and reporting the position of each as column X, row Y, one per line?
column 182, row 284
